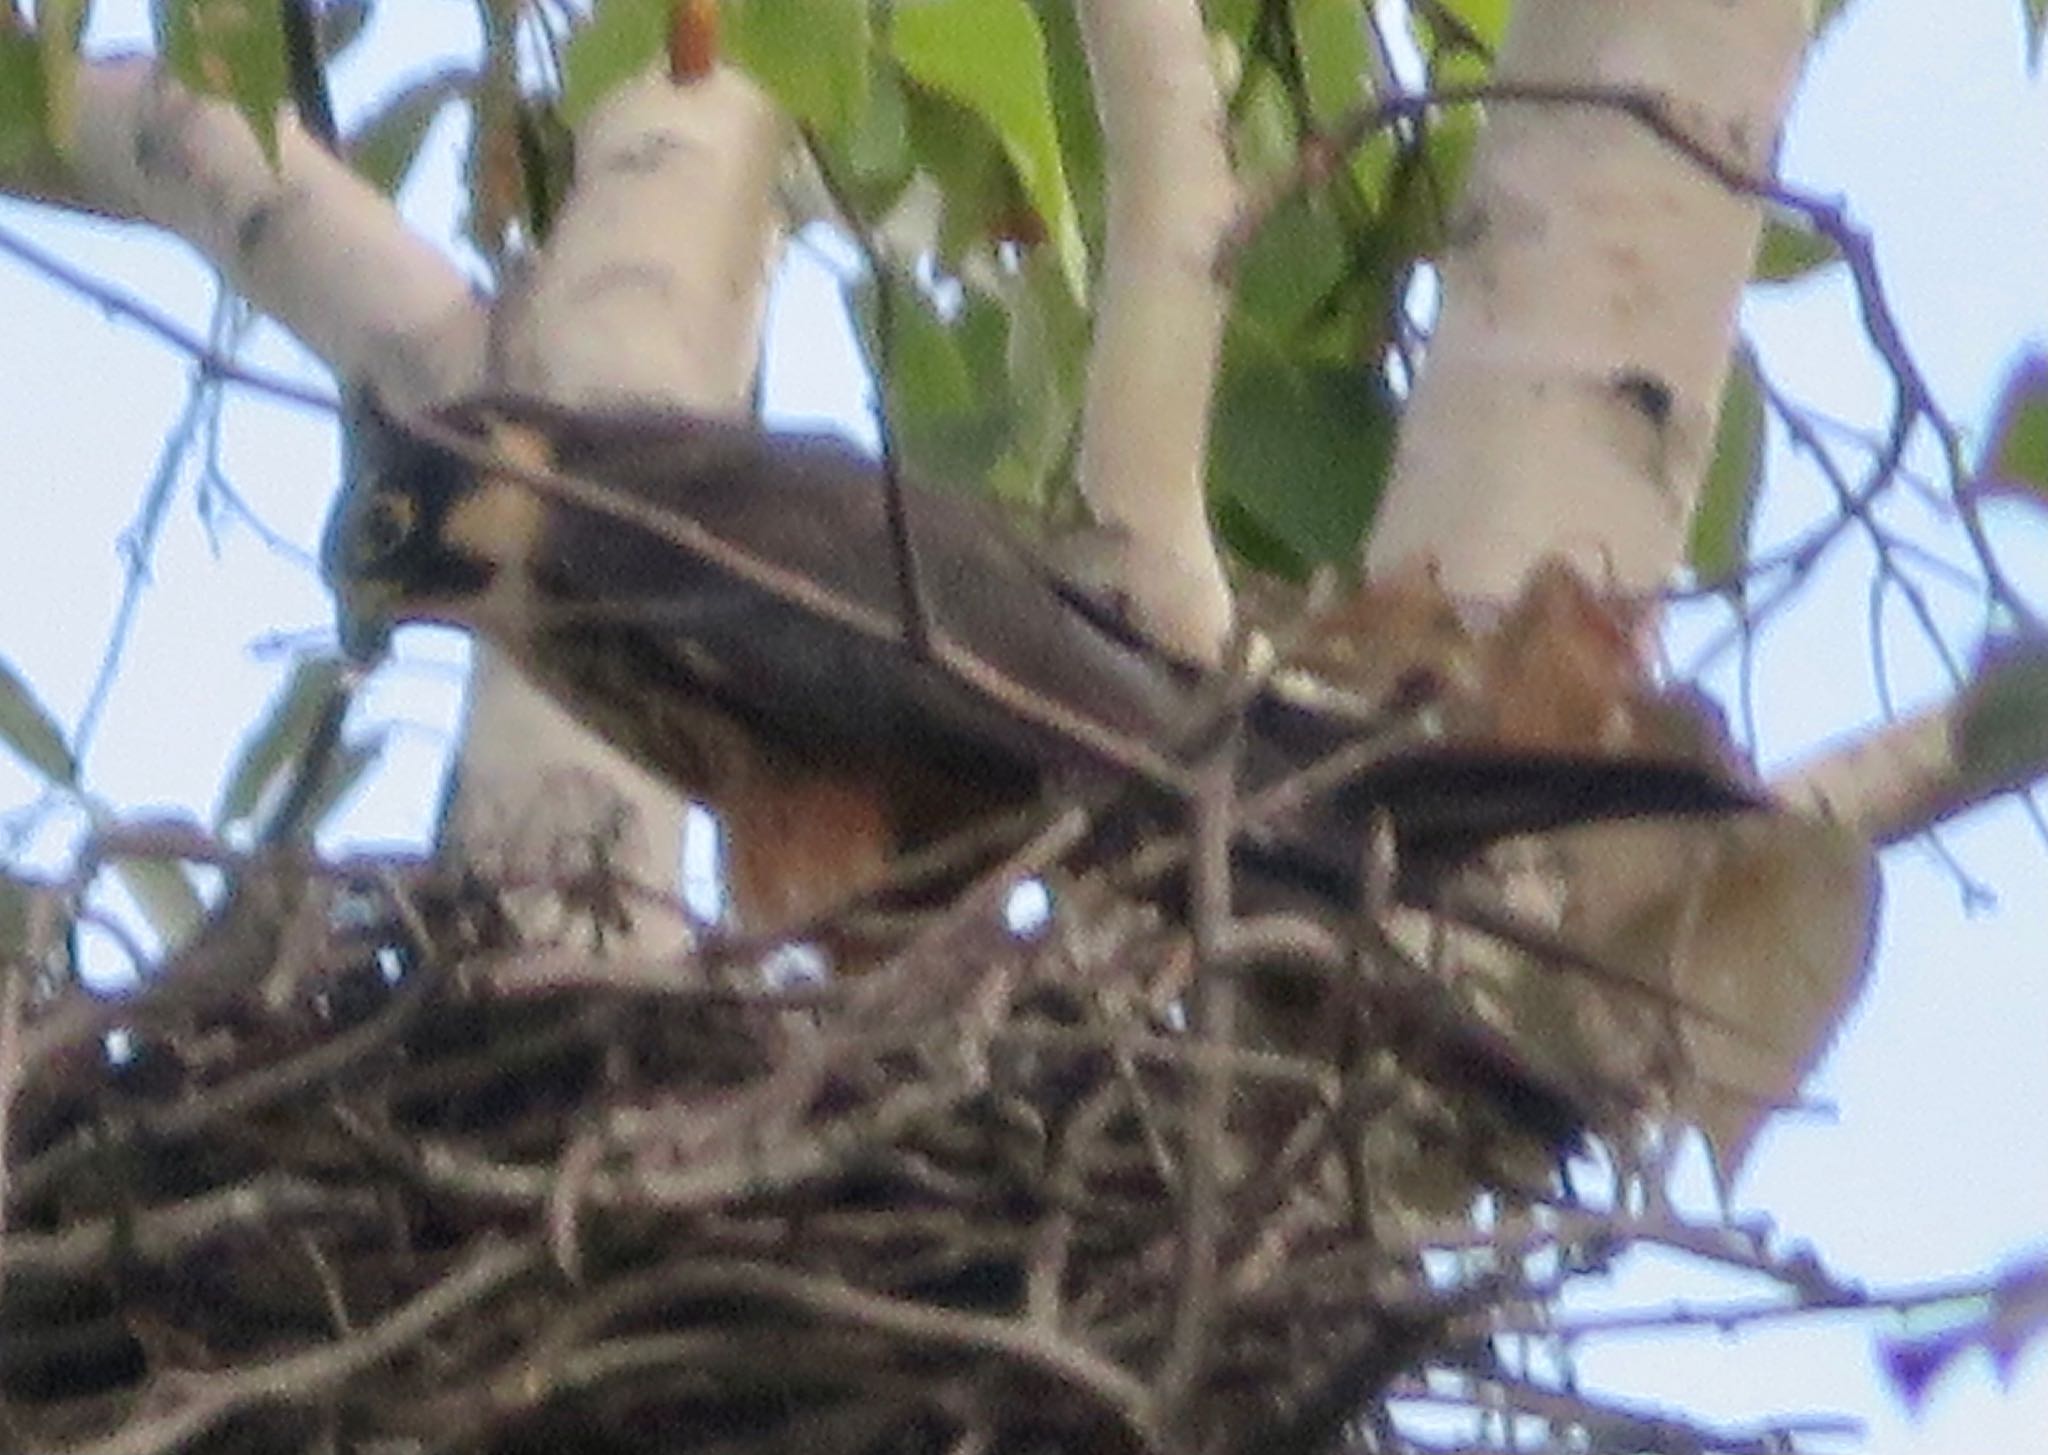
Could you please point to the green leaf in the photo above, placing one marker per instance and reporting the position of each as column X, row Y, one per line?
column 547, row 164
column 928, row 374
column 27, row 727
column 59, row 24
column 813, row 56
column 1313, row 290
column 874, row 158
column 1446, row 158
column 166, row 896
column 2016, row 453
column 1247, row 539
column 272, row 750
column 1336, row 58
column 1719, row 544
column 1048, row 358
column 1465, row 36
column 1073, row 109
column 1264, row 138
column 1787, row 254
column 1476, row 22
column 1301, row 449
column 948, row 388
column 976, row 186
column 1232, row 18
column 1423, row 187
column 384, row 148
column 24, row 102
column 620, row 41
column 2001, row 735
column 989, row 56
column 63, row 22
column 234, row 49
column 1288, row 270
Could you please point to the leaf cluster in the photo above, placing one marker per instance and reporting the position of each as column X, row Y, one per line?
column 961, row 136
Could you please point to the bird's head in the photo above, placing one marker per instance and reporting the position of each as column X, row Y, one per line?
column 419, row 532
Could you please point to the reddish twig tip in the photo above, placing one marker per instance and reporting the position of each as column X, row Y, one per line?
column 692, row 40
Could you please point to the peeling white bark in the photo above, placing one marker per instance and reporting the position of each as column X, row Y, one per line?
column 652, row 289
column 1159, row 314
column 310, row 243
column 1567, row 402
column 654, row 284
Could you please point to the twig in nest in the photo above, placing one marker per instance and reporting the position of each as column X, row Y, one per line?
column 1212, row 1019
column 182, row 1409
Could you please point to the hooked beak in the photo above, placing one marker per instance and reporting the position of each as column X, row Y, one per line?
column 364, row 619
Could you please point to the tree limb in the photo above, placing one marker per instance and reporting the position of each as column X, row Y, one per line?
column 309, row 243
column 1159, row 318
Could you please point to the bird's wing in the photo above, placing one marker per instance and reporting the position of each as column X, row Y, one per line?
column 845, row 697
column 813, row 508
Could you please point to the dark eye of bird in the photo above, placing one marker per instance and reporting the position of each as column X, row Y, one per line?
column 386, row 524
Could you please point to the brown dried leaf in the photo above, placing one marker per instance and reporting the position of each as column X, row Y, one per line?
column 1764, row 927
column 1397, row 638
column 1562, row 669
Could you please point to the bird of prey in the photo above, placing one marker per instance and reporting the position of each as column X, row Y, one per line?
column 727, row 605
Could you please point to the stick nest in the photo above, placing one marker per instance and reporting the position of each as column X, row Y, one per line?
column 371, row 1170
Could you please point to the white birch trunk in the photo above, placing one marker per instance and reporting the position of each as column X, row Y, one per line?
column 1567, row 402
column 652, row 290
